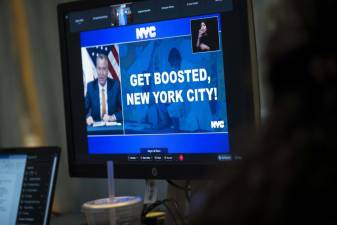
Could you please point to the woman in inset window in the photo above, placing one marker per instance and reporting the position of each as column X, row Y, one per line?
column 203, row 38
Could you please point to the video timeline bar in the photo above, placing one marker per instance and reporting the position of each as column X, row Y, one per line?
column 178, row 158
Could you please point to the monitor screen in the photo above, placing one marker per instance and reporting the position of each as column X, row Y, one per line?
column 27, row 180
column 150, row 85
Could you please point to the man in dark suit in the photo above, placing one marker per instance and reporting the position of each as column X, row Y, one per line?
column 103, row 98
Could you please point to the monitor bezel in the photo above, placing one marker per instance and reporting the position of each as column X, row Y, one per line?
column 248, row 107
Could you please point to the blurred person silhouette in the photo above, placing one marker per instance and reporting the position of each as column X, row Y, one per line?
column 288, row 176
column 155, row 113
column 122, row 15
column 187, row 116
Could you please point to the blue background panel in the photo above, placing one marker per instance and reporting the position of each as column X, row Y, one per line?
column 115, row 35
column 172, row 54
column 216, row 143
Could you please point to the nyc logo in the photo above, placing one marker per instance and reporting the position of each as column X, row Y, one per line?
column 146, row 32
column 217, row 124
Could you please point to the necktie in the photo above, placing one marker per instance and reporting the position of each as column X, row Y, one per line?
column 103, row 103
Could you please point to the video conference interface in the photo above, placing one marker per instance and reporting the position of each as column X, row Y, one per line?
column 154, row 90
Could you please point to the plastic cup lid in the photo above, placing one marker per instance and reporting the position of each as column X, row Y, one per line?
column 107, row 203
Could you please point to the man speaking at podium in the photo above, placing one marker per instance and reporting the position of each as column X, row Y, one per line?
column 103, row 98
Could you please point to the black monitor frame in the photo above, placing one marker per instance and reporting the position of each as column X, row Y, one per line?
column 241, row 91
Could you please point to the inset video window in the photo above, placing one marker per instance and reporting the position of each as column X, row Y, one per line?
column 205, row 34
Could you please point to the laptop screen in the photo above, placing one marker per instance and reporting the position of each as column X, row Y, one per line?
column 27, row 178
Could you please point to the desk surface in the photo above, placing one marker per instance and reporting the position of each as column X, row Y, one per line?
column 68, row 219
column 131, row 127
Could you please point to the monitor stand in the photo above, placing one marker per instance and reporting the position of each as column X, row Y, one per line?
column 151, row 192
column 111, row 189
column 179, row 196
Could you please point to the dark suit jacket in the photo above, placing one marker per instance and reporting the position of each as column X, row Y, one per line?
column 92, row 104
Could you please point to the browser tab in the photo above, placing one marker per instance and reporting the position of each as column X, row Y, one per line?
column 169, row 9
column 223, row 5
column 194, row 7
column 90, row 19
column 144, row 12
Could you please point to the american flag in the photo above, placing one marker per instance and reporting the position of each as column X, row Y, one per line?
column 89, row 62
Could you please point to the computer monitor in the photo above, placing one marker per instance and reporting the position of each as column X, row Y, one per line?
column 27, row 182
column 159, row 87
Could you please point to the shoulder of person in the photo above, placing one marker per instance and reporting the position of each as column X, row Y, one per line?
column 93, row 82
column 112, row 82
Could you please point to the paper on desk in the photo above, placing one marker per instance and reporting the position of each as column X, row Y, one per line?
column 102, row 123
column 113, row 124
column 99, row 124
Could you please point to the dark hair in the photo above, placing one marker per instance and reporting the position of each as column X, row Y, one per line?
column 174, row 56
column 102, row 57
column 288, row 176
column 302, row 50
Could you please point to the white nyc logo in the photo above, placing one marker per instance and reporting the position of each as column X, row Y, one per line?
column 217, row 124
column 146, row 32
